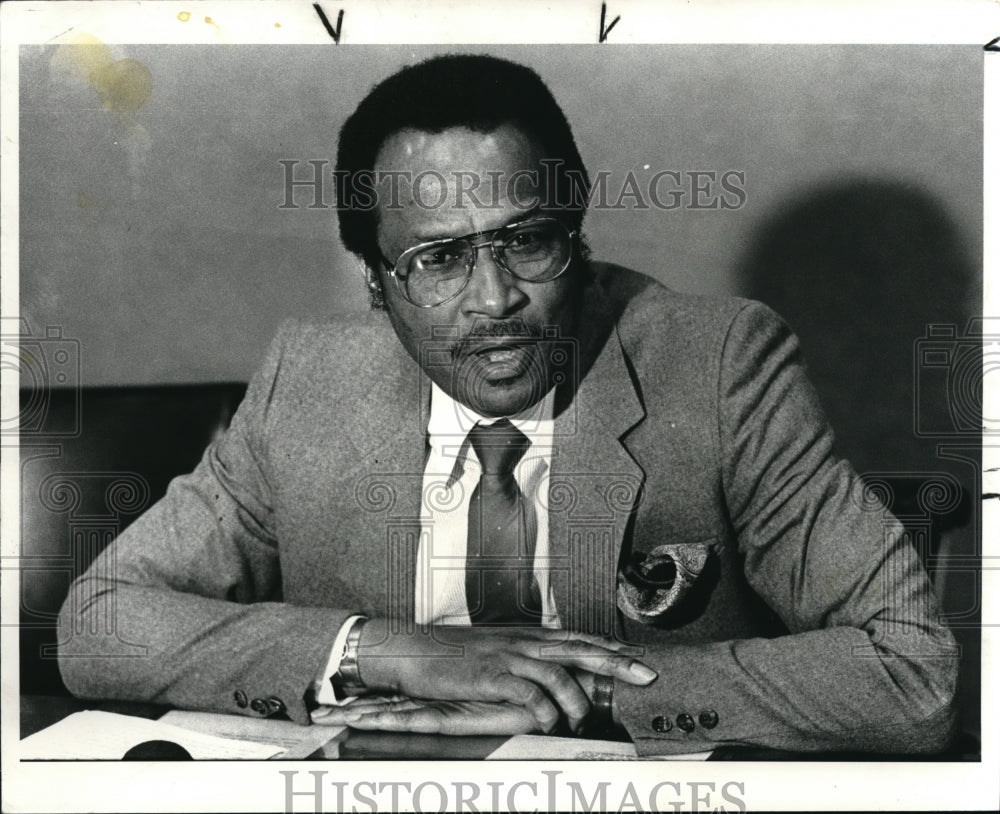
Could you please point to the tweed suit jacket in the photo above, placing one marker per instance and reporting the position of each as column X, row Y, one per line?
column 686, row 421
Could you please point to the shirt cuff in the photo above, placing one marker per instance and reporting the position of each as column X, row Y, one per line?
column 325, row 694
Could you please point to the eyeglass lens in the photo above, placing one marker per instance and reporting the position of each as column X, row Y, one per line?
column 536, row 252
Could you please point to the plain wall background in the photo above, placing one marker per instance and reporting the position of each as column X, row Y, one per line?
column 155, row 238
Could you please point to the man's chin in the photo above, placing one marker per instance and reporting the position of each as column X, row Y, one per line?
column 503, row 398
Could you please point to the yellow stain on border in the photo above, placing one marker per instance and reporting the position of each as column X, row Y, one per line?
column 122, row 85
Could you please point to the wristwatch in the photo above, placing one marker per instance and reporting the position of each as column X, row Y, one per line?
column 347, row 679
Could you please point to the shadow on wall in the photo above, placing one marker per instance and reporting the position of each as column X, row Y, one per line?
column 860, row 271
column 876, row 281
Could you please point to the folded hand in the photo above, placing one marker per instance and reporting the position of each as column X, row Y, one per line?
column 530, row 668
column 432, row 717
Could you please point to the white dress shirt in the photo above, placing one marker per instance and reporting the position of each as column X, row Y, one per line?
column 450, row 477
column 451, row 474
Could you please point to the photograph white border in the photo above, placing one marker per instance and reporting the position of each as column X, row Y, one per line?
column 260, row 786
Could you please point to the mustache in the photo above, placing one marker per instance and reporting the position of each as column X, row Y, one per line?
column 484, row 330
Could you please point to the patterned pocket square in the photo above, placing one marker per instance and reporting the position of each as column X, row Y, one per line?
column 652, row 583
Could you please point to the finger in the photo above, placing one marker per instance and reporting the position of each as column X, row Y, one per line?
column 418, row 719
column 516, row 690
column 374, row 701
column 557, row 682
column 556, row 636
column 339, row 714
column 399, row 705
column 488, row 719
column 452, row 719
column 599, row 659
column 333, row 716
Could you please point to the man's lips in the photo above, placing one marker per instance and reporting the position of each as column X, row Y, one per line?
column 499, row 358
column 505, row 355
column 494, row 346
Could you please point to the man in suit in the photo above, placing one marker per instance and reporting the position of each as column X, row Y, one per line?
column 529, row 491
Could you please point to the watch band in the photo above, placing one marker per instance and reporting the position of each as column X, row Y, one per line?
column 348, row 677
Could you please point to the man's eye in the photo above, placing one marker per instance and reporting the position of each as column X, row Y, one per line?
column 523, row 241
column 438, row 259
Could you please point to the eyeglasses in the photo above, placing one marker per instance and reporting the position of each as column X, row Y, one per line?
column 430, row 274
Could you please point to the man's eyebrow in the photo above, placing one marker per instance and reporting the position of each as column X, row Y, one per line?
column 520, row 217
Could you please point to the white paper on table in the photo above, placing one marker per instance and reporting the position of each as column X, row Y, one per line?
column 96, row 735
column 295, row 741
column 545, row 747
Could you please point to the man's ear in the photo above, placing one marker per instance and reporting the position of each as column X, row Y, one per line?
column 375, row 293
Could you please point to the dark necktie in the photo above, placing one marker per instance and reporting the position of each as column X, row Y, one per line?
column 499, row 581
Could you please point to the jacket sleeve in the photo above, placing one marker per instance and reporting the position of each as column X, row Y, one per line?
column 185, row 607
column 867, row 665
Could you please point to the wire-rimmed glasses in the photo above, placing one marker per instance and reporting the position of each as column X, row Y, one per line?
column 432, row 273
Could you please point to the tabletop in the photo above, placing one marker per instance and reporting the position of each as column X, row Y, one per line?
column 40, row 711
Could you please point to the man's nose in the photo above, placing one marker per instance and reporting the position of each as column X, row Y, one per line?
column 492, row 291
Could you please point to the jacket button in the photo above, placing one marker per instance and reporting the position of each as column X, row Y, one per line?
column 275, row 706
column 661, row 724
column 685, row 722
column 258, row 706
column 708, row 718
column 240, row 698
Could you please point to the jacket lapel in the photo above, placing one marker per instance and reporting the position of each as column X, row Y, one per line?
column 595, row 485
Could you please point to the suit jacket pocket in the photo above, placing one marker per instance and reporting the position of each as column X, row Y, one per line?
column 652, row 585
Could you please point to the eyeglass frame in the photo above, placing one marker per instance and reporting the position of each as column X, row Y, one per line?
column 391, row 268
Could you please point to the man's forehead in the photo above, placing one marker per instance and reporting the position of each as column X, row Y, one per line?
column 458, row 181
column 419, row 226
column 457, row 149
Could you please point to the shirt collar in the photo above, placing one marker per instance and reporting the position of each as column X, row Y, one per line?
column 450, row 421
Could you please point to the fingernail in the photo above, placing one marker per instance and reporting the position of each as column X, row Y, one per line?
column 642, row 672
